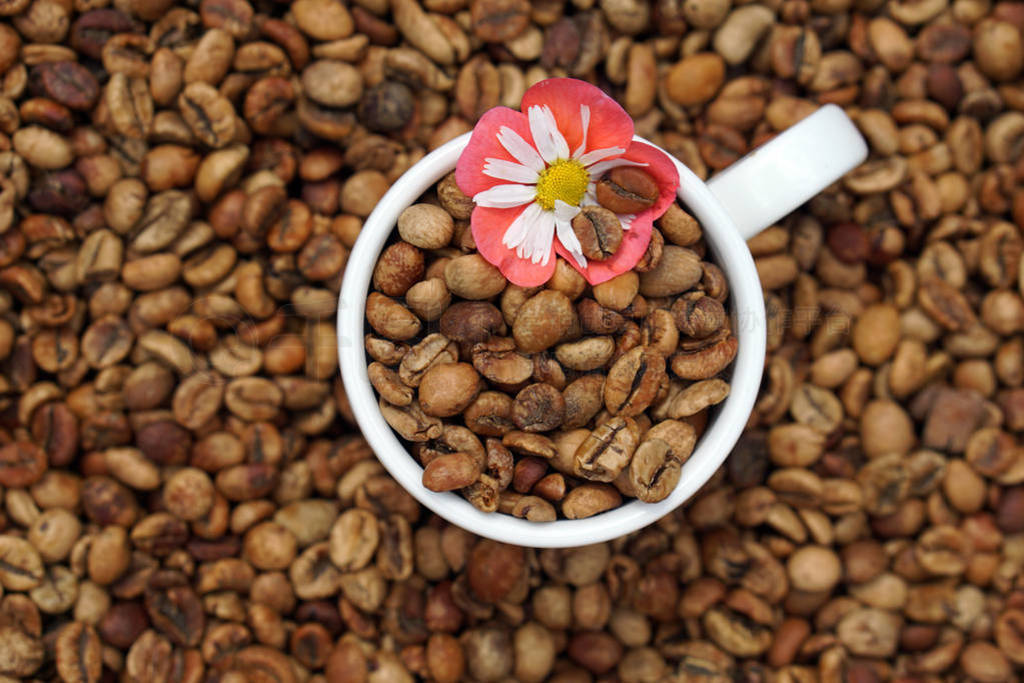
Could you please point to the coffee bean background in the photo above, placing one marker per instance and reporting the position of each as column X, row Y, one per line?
column 184, row 496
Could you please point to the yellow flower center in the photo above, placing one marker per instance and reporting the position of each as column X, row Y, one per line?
column 566, row 179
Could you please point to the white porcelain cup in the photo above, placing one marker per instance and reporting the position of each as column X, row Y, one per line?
column 735, row 205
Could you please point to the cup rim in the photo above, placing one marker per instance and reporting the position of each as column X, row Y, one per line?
column 746, row 305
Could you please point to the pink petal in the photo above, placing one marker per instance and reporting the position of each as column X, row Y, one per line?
column 489, row 226
column 636, row 239
column 610, row 125
column 483, row 144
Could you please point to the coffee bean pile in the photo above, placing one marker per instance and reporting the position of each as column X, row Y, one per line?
column 183, row 496
column 600, row 391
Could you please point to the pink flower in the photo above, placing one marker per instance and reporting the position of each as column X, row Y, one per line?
column 529, row 173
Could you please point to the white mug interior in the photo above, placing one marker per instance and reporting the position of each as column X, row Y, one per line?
column 728, row 251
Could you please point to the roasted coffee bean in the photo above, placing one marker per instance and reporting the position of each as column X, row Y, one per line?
column 21, row 464
column 500, row 363
column 91, row 30
column 450, row 471
column 634, row 381
column 706, row 362
column 210, row 116
column 538, row 408
column 69, row 83
column 698, row 316
column 387, row 106
column 174, row 608
column 655, row 468
column 470, row 322
column 22, row 567
column 588, row 500
column 542, row 320
column 598, row 231
column 607, row 450
column 448, row 388
column 79, row 653
column 626, row 190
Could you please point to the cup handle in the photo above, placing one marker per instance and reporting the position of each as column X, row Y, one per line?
column 777, row 177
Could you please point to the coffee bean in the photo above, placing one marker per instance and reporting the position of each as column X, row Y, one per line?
column 542, row 320
column 210, row 116
column 607, row 450
column 21, row 568
column 626, row 190
column 447, row 389
column 130, row 105
column 69, row 83
column 79, row 653
column 655, row 468
column 174, row 608
column 598, row 231
column 498, row 21
column 92, row 29
column 386, row 107
column 469, row 322
column 633, row 381
column 588, row 500
column 450, row 471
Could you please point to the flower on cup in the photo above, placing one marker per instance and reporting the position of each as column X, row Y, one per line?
column 530, row 173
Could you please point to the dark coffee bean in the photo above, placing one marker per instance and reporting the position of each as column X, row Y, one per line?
column 55, row 428
column 561, row 44
column 62, row 192
column 164, row 442
column 47, row 113
column 748, row 464
column 22, row 463
column 93, row 29
column 106, row 501
column 498, row 21
column 217, row 549
column 69, row 83
column 123, row 623
column 471, row 322
column 266, row 101
column 386, row 107
column 849, row 242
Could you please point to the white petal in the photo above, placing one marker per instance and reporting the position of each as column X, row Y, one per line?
column 596, row 155
column 519, row 148
column 510, row 170
column 566, row 236
column 626, row 219
column 505, row 196
column 602, row 167
column 521, row 227
column 565, row 211
column 585, row 124
column 550, row 143
column 539, row 242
